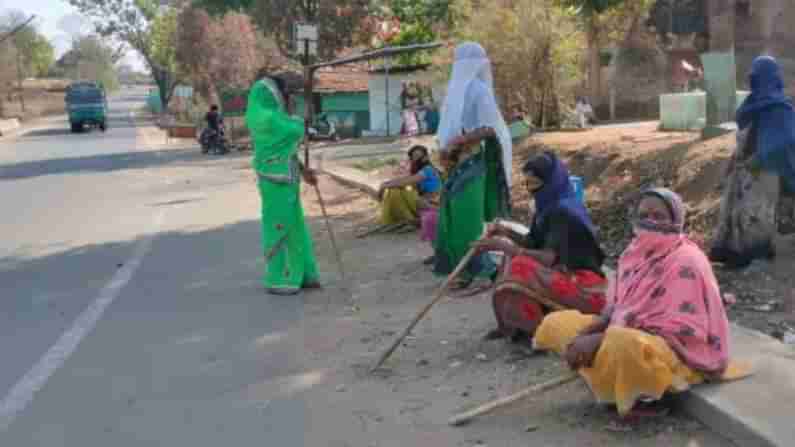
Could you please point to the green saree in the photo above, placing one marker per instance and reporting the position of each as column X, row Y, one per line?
column 475, row 192
column 286, row 242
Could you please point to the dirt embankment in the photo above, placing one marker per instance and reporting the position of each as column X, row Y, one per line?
column 42, row 97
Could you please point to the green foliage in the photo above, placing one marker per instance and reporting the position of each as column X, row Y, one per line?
column 589, row 8
column 163, row 40
column 36, row 52
column 412, row 34
column 536, row 68
column 221, row 7
column 420, row 22
column 425, row 12
column 89, row 58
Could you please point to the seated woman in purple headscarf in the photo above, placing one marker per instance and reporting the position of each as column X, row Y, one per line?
column 557, row 266
column 763, row 164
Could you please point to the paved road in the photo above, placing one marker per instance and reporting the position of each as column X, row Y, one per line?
column 131, row 314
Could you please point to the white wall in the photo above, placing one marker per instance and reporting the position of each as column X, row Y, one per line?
column 378, row 91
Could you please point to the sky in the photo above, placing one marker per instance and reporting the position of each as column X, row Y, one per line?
column 50, row 16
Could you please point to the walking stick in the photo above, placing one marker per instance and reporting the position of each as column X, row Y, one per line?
column 325, row 214
column 330, row 232
column 439, row 295
column 463, row 418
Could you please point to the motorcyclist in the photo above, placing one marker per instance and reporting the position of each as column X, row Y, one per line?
column 214, row 124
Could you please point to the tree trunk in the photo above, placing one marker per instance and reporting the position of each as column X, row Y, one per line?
column 20, row 89
column 594, row 61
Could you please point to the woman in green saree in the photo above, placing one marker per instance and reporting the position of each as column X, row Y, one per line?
column 289, row 255
column 476, row 149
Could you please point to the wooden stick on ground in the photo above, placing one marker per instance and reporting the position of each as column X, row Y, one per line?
column 385, row 228
column 439, row 295
column 330, row 232
column 463, row 418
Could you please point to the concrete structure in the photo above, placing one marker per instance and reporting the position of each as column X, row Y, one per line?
column 649, row 62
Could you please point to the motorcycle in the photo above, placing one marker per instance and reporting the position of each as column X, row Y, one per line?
column 212, row 141
column 323, row 129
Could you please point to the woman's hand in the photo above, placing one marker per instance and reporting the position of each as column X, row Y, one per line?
column 495, row 229
column 496, row 244
column 310, row 176
column 382, row 189
column 582, row 351
column 598, row 326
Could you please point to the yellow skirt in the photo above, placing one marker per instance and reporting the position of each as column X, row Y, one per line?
column 400, row 205
column 630, row 364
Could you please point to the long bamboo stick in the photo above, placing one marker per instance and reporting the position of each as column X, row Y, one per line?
column 439, row 295
column 463, row 418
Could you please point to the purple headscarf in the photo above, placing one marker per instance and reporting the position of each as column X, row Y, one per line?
column 557, row 193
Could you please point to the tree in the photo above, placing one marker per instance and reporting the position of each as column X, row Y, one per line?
column 536, row 68
column 89, row 58
column 34, row 53
column 143, row 26
column 338, row 21
column 590, row 12
column 417, row 22
column 210, row 59
column 8, row 58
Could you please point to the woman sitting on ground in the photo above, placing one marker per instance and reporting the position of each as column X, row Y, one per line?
column 403, row 199
column 558, row 265
column 665, row 327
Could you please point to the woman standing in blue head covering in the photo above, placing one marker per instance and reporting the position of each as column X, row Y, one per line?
column 763, row 163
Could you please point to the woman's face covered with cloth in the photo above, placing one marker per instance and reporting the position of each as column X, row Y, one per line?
column 666, row 285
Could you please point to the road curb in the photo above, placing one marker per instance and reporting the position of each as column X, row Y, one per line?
column 755, row 411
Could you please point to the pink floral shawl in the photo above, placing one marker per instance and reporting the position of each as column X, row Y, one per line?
column 665, row 286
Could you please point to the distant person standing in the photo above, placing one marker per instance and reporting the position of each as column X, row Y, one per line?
column 584, row 113
column 763, row 163
column 214, row 119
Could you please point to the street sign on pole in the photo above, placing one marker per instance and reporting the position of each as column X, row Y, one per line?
column 305, row 39
column 305, row 31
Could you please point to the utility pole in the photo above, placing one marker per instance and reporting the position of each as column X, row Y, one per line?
column 306, row 37
column 20, row 88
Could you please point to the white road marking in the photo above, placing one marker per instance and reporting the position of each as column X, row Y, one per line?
column 24, row 390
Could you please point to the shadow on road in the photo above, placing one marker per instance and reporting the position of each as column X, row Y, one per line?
column 107, row 163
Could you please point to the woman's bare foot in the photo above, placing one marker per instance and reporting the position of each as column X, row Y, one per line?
column 640, row 412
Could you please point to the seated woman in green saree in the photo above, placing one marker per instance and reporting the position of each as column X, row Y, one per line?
column 289, row 255
column 476, row 148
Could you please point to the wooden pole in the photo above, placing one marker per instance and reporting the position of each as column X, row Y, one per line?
column 330, row 232
column 439, row 295
column 488, row 407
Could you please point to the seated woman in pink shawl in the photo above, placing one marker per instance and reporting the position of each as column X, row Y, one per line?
column 665, row 327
